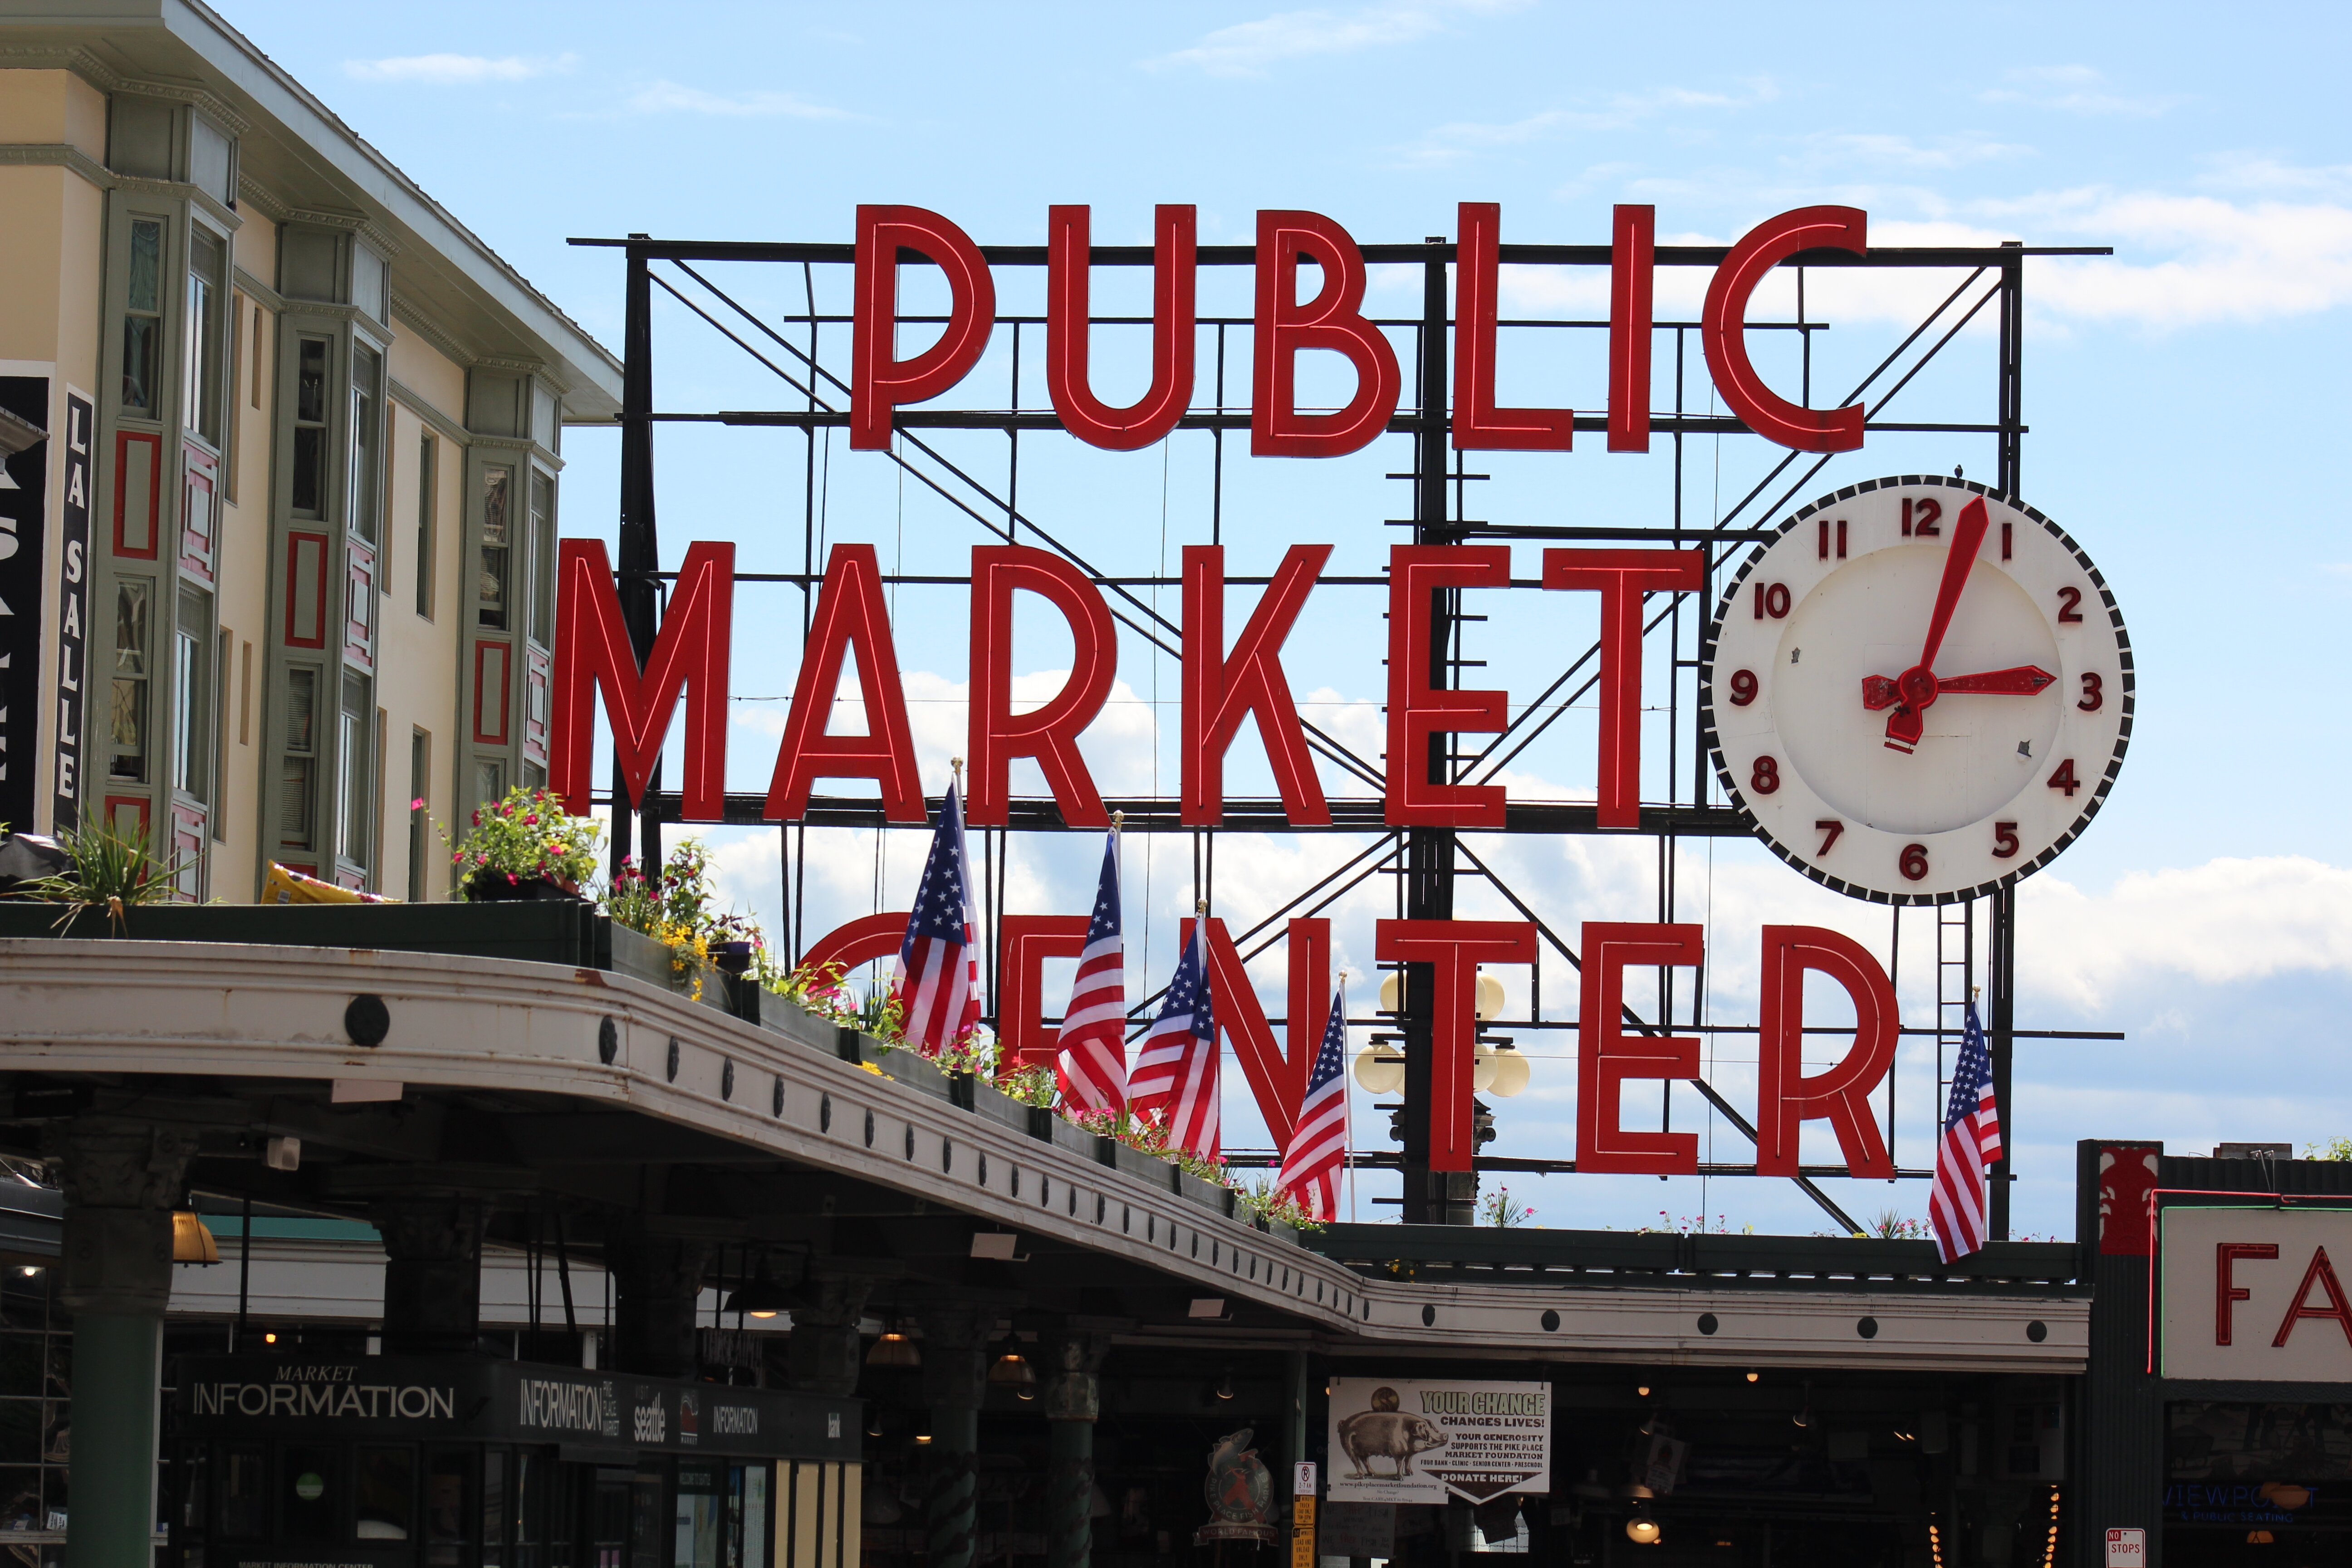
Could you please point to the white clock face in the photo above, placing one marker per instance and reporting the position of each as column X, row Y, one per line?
column 1919, row 692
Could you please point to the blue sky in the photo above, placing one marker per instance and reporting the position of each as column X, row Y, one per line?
column 2183, row 397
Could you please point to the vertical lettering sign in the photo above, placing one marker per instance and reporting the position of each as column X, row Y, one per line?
column 73, row 611
column 23, row 488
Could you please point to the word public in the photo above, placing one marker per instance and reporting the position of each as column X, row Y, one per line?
column 1333, row 320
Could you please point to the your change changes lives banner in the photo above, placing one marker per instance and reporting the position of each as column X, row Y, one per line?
column 1422, row 1440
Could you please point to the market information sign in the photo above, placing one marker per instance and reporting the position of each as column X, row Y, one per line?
column 1424, row 1440
column 2255, row 1295
column 24, row 485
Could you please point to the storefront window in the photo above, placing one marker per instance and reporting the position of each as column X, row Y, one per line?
column 385, row 1493
column 445, row 1472
column 244, row 1498
column 310, row 1494
column 143, row 317
column 701, row 1515
column 127, row 721
column 490, row 588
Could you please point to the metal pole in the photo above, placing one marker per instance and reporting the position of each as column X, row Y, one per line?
column 243, row 1268
column 639, row 551
column 1430, row 1197
column 2002, row 958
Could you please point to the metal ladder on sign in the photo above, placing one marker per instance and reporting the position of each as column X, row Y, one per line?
column 1956, row 930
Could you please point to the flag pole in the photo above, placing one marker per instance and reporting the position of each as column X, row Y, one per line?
column 1347, row 1106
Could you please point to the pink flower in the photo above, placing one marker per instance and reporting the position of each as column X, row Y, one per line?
column 417, row 805
column 532, row 821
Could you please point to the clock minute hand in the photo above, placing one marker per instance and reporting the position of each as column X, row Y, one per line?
column 1917, row 685
column 2023, row 680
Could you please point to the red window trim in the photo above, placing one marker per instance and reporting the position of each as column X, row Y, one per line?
column 154, row 445
column 483, row 737
column 294, row 543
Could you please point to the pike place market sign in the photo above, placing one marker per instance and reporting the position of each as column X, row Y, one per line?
column 1916, row 691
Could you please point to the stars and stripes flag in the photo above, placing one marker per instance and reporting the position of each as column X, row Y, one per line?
column 1092, row 1065
column 1318, row 1140
column 936, row 982
column 1970, row 1144
column 1175, row 1077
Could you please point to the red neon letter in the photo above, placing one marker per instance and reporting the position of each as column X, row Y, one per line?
column 1479, row 425
column 592, row 648
column 1785, row 1097
column 2226, row 1289
column 861, row 941
column 1605, row 1058
column 1221, row 691
column 1723, row 330
column 1330, row 320
column 850, row 616
column 1024, row 944
column 1085, row 415
column 2322, row 1273
column 879, row 379
column 1621, row 578
column 1049, row 734
column 1279, row 1079
column 1631, row 250
column 1419, row 713
column 1456, row 949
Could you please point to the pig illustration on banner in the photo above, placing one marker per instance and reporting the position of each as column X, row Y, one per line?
column 1414, row 1440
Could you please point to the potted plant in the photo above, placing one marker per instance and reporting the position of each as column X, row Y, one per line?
column 105, row 870
column 525, row 846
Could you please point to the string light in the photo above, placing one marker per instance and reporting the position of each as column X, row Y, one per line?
column 1935, row 1546
column 2050, row 1547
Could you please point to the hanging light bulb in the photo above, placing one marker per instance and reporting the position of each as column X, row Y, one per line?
column 1642, row 1530
column 894, row 1348
column 1754, row 1376
column 1012, row 1370
column 1488, row 998
column 1391, row 993
column 1509, row 1078
column 1225, row 1386
column 1379, row 1068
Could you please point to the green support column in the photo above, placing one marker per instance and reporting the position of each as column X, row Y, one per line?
column 123, row 1178
column 955, row 1373
column 1073, row 1399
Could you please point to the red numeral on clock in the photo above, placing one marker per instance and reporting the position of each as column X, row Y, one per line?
column 1743, row 687
column 1919, row 518
column 1823, row 551
column 1765, row 776
column 1772, row 599
column 2004, row 840
column 2092, row 698
column 2064, row 778
column 1914, row 864
column 1831, row 828
column 2069, row 603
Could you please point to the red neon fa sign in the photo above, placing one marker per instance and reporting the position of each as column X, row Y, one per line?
column 1284, row 325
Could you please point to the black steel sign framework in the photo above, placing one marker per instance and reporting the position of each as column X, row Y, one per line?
column 1425, row 862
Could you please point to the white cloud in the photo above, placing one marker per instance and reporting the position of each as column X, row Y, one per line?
column 1901, row 151
column 457, row 71
column 1247, row 49
column 666, row 97
column 1458, row 140
column 2074, row 89
column 2224, row 921
column 2227, row 261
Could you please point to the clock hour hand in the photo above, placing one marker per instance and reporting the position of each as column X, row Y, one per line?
column 2024, row 680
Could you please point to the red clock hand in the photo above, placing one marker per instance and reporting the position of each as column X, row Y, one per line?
column 1917, row 685
column 2024, row 680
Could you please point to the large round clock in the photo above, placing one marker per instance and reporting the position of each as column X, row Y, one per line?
column 1920, row 691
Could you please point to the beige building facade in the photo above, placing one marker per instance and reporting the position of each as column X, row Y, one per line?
column 284, row 453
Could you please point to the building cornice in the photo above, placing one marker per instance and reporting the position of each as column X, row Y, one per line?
column 180, row 190
column 406, row 313
column 416, row 403
column 256, row 290
column 61, row 154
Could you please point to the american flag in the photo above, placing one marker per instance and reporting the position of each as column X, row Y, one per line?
column 936, row 982
column 1175, row 1079
column 1971, row 1143
column 1093, row 1060
column 1319, row 1141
